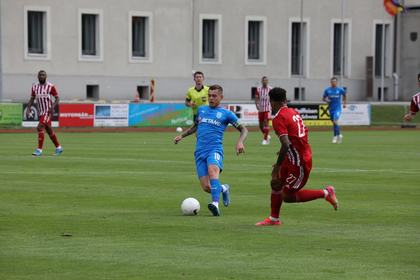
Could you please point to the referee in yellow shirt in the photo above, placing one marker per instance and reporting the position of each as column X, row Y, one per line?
column 197, row 95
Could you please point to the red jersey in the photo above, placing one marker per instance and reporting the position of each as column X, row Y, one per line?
column 43, row 94
column 264, row 102
column 288, row 122
column 415, row 103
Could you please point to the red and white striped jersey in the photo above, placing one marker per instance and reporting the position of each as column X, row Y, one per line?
column 43, row 96
column 264, row 99
column 415, row 103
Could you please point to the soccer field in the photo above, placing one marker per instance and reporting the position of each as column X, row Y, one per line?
column 109, row 208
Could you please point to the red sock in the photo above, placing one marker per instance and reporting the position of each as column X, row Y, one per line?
column 266, row 131
column 41, row 135
column 54, row 139
column 276, row 200
column 304, row 195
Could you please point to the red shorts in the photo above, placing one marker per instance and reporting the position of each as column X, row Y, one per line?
column 45, row 119
column 263, row 117
column 294, row 177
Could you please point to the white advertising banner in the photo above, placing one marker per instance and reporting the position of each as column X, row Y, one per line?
column 355, row 114
column 111, row 115
column 247, row 113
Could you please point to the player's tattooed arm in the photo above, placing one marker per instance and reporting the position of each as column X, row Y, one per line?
column 285, row 144
column 240, row 148
column 186, row 133
column 275, row 173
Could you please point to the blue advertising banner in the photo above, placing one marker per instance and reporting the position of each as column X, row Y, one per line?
column 162, row 115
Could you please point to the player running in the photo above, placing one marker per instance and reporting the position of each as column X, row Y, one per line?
column 333, row 96
column 294, row 161
column 262, row 102
column 210, row 126
column 43, row 93
column 414, row 105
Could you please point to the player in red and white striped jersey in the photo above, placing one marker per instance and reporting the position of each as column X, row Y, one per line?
column 294, row 161
column 262, row 102
column 414, row 105
column 42, row 93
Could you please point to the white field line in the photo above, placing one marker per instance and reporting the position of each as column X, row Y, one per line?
column 356, row 170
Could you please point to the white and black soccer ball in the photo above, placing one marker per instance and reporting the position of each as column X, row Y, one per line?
column 190, row 206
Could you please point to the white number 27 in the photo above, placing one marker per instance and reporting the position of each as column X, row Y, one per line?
column 301, row 127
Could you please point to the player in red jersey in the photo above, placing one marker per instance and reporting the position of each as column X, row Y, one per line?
column 414, row 105
column 262, row 102
column 294, row 162
column 43, row 93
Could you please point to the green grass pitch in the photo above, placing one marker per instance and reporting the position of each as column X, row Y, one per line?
column 109, row 208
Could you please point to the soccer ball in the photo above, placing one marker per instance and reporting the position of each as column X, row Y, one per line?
column 179, row 129
column 190, row 206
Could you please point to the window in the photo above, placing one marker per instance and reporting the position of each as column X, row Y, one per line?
column 92, row 92
column 382, row 48
column 299, row 94
column 254, row 39
column 37, row 33
column 143, row 92
column 298, row 47
column 340, row 49
column 90, row 35
column 255, row 34
column 210, row 39
column 140, row 36
column 385, row 97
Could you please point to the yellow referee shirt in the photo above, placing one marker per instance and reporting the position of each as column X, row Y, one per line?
column 199, row 97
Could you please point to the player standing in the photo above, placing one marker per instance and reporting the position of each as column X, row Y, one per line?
column 43, row 93
column 197, row 95
column 414, row 105
column 294, row 161
column 336, row 98
column 210, row 126
column 262, row 102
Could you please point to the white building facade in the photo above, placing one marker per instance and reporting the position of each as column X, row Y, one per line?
column 110, row 50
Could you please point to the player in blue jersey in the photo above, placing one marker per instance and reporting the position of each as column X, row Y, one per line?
column 210, row 126
column 336, row 98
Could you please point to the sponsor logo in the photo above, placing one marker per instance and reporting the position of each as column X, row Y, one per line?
column 211, row 121
column 81, row 115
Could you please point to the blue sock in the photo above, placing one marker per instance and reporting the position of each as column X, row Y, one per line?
column 216, row 188
column 336, row 130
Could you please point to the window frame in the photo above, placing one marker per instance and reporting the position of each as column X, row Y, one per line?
column 347, row 56
column 46, row 55
column 149, row 37
column 262, row 41
column 99, row 57
column 218, row 44
column 388, row 47
column 307, row 40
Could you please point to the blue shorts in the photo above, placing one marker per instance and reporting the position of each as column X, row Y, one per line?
column 335, row 115
column 203, row 161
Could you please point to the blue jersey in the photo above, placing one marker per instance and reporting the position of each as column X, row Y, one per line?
column 335, row 96
column 212, row 123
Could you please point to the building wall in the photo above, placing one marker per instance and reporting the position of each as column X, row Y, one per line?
column 176, row 33
column 410, row 53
